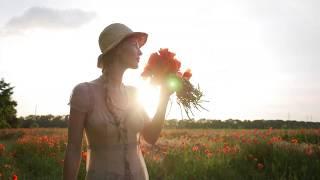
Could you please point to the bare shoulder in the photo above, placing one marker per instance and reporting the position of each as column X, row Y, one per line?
column 80, row 90
column 79, row 98
column 80, row 86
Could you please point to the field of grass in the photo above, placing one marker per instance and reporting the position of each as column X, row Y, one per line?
column 179, row 154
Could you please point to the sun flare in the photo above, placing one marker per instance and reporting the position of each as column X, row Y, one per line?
column 148, row 97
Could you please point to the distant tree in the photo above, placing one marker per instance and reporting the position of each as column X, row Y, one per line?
column 7, row 106
column 34, row 125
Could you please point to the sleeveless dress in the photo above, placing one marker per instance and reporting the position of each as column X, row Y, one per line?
column 107, row 158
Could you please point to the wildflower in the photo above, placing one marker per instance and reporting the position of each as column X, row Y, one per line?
column 160, row 64
column 226, row 148
column 187, row 74
column 156, row 157
column 275, row 139
column 260, row 166
column 84, row 155
column 294, row 141
column 2, row 148
column 208, row 153
column 14, row 177
column 195, row 148
column 163, row 67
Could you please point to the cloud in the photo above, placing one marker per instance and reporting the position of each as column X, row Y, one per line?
column 47, row 18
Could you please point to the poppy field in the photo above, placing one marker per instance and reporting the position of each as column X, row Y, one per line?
column 38, row 153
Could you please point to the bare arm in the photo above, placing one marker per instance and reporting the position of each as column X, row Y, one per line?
column 73, row 151
column 152, row 129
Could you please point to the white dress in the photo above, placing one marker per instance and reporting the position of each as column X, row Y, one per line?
column 106, row 156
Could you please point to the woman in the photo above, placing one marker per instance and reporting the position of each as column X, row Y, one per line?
column 107, row 111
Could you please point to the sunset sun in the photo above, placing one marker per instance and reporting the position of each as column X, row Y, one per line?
column 148, row 97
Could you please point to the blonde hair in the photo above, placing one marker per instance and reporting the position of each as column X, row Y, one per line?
column 108, row 59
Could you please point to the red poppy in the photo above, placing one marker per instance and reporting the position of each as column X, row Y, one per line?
column 84, row 155
column 187, row 74
column 14, row 177
column 164, row 52
column 260, row 166
column 163, row 67
column 294, row 141
column 195, row 148
column 160, row 65
column 2, row 148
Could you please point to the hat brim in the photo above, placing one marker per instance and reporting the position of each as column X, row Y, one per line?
column 142, row 39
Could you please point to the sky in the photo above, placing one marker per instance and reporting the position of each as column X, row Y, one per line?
column 253, row 59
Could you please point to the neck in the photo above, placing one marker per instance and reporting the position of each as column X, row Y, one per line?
column 114, row 75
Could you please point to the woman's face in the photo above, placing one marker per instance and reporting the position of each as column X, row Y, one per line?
column 129, row 53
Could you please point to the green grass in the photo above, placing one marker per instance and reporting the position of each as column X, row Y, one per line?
column 205, row 154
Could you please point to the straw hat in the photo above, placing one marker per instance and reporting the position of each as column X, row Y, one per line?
column 113, row 34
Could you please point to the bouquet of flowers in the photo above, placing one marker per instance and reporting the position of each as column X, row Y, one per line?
column 163, row 67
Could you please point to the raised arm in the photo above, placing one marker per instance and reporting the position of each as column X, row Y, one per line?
column 152, row 129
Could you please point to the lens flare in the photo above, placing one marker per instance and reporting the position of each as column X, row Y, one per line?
column 174, row 83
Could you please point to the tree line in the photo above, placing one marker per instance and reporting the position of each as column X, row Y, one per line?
column 8, row 119
column 61, row 121
column 239, row 124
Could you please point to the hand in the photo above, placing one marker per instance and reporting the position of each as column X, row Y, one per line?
column 166, row 90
